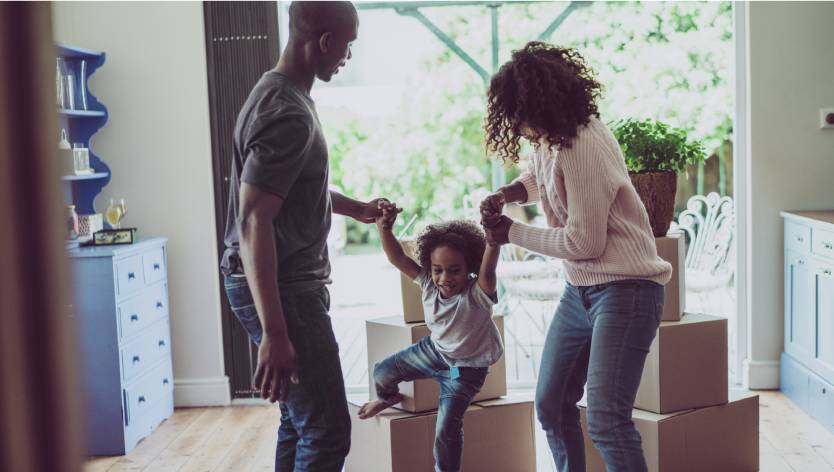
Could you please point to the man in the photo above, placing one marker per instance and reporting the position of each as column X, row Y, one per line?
column 276, row 262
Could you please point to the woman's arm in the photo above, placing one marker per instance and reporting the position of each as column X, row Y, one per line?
column 487, row 279
column 590, row 192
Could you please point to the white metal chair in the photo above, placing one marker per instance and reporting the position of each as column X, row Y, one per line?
column 709, row 225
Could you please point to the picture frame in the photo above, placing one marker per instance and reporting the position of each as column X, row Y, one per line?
column 114, row 237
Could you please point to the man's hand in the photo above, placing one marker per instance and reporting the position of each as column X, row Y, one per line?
column 499, row 233
column 491, row 208
column 276, row 367
column 385, row 221
column 370, row 211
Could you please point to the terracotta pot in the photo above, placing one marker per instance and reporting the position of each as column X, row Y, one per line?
column 657, row 191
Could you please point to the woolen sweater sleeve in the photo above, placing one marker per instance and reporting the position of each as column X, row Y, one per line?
column 589, row 192
column 528, row 179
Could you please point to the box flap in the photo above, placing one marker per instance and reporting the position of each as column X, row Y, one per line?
column 393, row 321
column 512, row 399
column 688, row 318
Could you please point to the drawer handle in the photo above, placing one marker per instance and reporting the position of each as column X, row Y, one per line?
column 828, row 246
column 156, row 266
column 826, row 272
column 798, row 238
column 165, row 382
column 801, row 262
column 135, row 359
column 134, row 318
column 161, row 343
column 142, row 399
column 159, row 304
column 131, row 276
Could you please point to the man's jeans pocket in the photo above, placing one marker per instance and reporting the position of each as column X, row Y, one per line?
column 243, row 306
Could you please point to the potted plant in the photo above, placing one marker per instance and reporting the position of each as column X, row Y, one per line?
column 654, row 154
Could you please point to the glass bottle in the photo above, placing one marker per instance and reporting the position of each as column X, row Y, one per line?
column 72, row 223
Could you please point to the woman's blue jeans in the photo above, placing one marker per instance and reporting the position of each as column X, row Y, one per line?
column 600, row 334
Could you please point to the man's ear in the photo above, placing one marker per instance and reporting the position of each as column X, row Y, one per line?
column 324, row 41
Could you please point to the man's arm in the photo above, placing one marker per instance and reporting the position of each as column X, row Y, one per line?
column 276, row 354
column 359, row 211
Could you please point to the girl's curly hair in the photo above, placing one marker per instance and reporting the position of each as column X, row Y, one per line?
column 547, row 88
column 461, row 235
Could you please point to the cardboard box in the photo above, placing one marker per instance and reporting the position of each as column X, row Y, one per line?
column 686, row 366
column 390, row 334
column 672, row 248
column 498, row 436
column 412, row 298
column 716, row 439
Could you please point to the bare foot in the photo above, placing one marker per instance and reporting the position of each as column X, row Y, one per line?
column 371, row 409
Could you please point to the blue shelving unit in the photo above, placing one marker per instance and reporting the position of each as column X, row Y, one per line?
column 81, row 125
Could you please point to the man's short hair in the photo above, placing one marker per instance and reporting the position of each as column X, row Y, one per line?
column 310, row 19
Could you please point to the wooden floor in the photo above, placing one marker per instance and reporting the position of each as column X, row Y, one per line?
column 242, row 438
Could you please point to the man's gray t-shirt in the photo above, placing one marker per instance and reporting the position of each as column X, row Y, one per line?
column 461, row 326
column 279, row 148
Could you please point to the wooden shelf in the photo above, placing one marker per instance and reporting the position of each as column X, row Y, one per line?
column 97, row 175
column 65, row 50
column 81, row 113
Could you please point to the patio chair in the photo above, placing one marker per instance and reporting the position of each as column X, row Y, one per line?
column 709, row 225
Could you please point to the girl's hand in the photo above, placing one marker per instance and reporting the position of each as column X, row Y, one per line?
column 387, row 215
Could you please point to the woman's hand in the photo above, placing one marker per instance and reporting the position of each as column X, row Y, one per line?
column 491, row 208
column 499, row 232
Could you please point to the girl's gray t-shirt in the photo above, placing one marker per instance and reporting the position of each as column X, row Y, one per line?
column 461, row 326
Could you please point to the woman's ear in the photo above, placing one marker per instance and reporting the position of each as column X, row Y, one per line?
column 324, row 41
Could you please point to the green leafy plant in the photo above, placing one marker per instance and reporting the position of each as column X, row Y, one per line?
column 649, row 145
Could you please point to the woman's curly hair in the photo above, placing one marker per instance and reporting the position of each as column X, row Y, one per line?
column 547, row 88
column 460, row 235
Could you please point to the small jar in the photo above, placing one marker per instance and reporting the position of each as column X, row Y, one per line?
column 81, row 159
column 72, row 223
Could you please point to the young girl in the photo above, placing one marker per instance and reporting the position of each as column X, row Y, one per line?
column 609, row 313
column 456, row 271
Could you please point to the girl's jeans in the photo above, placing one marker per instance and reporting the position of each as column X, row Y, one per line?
column 419, row 361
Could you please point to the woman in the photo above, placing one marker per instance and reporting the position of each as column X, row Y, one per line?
column 611, row 308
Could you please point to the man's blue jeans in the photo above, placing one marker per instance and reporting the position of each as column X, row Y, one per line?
column 315, row 424
column 602, row 333
column 419, row 361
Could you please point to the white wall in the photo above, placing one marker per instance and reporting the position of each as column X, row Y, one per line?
column 791, row 160
column 157, row 144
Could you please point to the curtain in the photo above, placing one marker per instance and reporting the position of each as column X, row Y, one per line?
column 40, row 426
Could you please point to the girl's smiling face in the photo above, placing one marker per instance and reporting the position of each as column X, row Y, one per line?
column 448, row 271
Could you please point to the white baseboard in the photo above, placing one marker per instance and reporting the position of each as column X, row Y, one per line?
column 761, row 375
column 213, row 391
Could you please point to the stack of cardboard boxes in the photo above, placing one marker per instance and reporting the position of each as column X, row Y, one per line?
column 683, row 411
column 498, row 430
